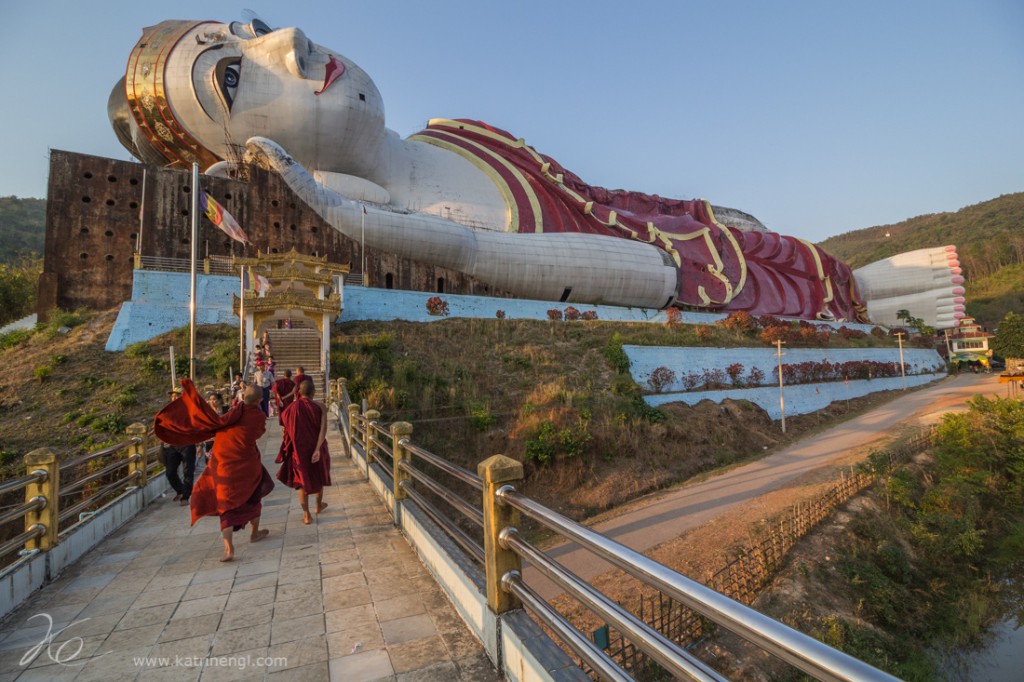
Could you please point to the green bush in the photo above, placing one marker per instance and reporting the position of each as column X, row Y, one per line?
column 14, row 338
column 616, row 356
column 62, row 318
column 480, row 417
column 43, row 372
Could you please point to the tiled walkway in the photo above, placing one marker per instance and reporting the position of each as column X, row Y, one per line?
column 343, row 599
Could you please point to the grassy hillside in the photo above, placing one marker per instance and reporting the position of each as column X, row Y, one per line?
column 989, row 238
column 558, row 397
column 22, row 227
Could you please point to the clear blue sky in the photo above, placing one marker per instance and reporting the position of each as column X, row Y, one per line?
column 816, row 117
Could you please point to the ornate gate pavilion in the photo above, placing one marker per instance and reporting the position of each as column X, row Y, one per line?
column 295, row 311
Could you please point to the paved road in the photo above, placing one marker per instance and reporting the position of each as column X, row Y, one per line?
column 343, row 599
column 670, row 515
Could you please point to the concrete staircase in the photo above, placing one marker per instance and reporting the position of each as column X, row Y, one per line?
column 294, row 347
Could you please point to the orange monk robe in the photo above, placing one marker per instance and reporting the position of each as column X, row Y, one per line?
column 302, row 421
column 234, row 473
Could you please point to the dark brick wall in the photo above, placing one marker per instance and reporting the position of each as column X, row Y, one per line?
column 93, row 222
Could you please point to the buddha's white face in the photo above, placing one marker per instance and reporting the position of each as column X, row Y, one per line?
column 229, row 82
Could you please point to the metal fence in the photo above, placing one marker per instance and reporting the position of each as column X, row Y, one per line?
column 412, row 475
column 58, row 495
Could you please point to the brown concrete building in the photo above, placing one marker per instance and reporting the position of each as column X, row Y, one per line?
column 100, row 210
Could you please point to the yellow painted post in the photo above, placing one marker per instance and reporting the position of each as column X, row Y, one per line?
column 400, row 431
column 341, row 389
column 138, row 261
column 371, row 418
column 353, row 418
column 137, row 430
column 498, row 471
column 48, row 488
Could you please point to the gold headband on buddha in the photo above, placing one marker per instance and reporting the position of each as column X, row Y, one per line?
column 147, row 96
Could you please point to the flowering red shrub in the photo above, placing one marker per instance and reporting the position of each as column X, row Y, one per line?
column 673, row 316
column 756, row 377
column 849, row 334
column 500, row 314
column 437, row 306
column 877, row 332
column 772, row 334
column 691, row 381
column 735, row 372
column 571, row 313
column 590, row 315
column 660, row 378
column 554, row 314
column 703, row 333
column 740, row 321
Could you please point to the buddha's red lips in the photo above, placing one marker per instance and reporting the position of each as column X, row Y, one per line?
column 333, row 73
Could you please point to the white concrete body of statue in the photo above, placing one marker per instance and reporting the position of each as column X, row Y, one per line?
column 216, row 92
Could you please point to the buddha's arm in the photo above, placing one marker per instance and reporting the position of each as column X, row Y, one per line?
column 551, row 266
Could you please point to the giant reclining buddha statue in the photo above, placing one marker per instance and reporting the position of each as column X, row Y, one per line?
column 468, row 196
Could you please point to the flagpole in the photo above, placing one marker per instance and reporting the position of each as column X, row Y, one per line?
column 142, row 213
column 241, row 320
column 195, row 254
column 362, row 248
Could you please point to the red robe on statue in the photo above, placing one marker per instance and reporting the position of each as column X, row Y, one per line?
column 302, row 423
column 235, row 479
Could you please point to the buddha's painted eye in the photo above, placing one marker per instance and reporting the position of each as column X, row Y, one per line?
column 228, row 74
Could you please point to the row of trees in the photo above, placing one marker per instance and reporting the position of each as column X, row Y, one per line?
column 18, row 288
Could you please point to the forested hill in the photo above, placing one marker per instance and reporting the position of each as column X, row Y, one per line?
column 989, row 238
column 22, row 227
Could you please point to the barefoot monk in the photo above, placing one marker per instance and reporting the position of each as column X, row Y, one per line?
column 305, row 462
column 235, row 480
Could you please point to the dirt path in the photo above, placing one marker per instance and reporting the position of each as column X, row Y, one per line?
column 657, row 519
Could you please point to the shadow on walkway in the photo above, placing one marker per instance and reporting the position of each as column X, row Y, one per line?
column 345, row 598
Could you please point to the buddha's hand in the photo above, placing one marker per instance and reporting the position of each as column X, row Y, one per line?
column 269, row 155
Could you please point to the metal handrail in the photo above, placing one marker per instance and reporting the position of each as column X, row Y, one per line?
column 593, row 656
column 464, row 475
column 797, row 649
column 382, row 428
column 454, row 532
column 18, row 512
column 19, row 540
column 104, row 452
column 674, row 659
column 380, row 445
column 72, row 488
column 74, row 510
column 22, row 482
column 456, row 502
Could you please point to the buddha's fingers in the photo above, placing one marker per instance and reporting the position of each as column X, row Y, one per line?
column 269, row 155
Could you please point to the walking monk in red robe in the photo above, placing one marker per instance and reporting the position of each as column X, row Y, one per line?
column 284, row 393
column 305, row 461
column 235, row 479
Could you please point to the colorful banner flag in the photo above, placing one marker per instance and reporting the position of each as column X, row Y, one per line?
column 221, row 218
column 259, row 283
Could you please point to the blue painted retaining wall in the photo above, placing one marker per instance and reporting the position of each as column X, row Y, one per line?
column 160, row 303
column 923, row 366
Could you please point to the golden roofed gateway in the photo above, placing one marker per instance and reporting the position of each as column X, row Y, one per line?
column 289, row 304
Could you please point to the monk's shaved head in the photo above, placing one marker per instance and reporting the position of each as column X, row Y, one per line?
column 252, row 395
column 306, row 388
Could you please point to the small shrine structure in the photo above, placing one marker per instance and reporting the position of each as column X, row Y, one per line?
column 968, row 343
column 290, row 303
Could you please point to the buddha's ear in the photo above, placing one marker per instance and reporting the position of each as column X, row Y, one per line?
column 120, row 117
column 127, row 130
